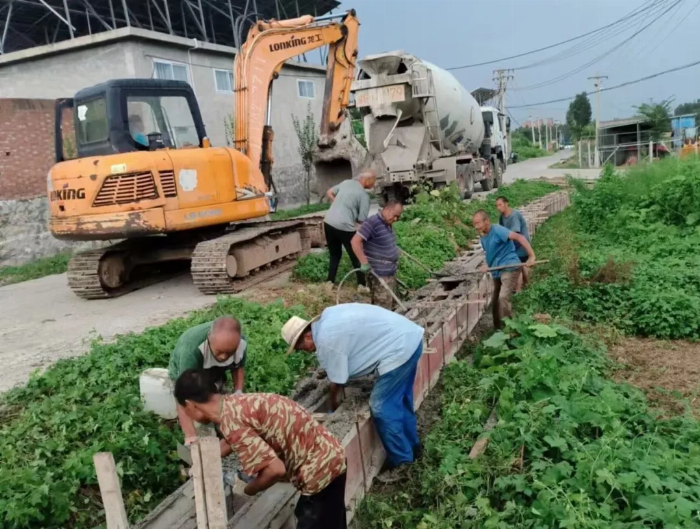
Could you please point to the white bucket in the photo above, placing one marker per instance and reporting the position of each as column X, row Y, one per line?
column 157, row 393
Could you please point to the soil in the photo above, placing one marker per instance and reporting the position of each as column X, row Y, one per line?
column 661, row 368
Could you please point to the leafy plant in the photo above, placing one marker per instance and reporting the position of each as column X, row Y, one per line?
column 308, row 138
column 658, row 116
column 50, row 429
column 571, row 448
column 625, row 254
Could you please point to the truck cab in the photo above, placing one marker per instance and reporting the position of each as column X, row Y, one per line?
column 498, row 125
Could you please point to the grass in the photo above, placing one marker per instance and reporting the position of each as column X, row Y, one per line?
column 45, row 266
column 285, row 214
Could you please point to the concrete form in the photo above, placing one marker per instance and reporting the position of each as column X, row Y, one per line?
column 448, row 312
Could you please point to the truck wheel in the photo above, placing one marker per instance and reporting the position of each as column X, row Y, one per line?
column 497, row 168
column 487, row 183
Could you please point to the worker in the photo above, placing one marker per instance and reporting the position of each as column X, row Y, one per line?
column 275, row 439
column 349, row 208
column 498, row 244
column 514, row 220
column 137, row 130
column 218, row 347
column 376, row 248
column 354, row 340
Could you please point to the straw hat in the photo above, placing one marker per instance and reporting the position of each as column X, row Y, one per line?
column 293, row 329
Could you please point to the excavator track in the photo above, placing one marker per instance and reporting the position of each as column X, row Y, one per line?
column 209, row 268
column 86, row 270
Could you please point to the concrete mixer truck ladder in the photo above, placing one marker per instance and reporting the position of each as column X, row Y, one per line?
column 422, row 87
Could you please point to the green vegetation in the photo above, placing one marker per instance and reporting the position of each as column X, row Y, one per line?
column 41, row 267
column 658, row 116
column 50, row 429
column 523, row 146
column 578, row 116
column 626, row 254
column 284, row 214
column 433, row 230
column 570, row 449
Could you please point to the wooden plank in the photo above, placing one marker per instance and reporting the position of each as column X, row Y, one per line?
column 200, row 499
column 213, row 482
column 111, row 491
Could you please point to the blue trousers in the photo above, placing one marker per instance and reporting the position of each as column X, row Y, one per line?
column 391, row 403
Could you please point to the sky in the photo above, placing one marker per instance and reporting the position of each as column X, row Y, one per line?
column 451, row 33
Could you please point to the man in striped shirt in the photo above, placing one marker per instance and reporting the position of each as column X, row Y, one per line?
column 376, row 249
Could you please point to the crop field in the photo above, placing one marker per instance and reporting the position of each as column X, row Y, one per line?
column 50, row 429
column 576, row 443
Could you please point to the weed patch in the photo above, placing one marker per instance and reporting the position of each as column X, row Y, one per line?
column 46, row 266
column 571, row 448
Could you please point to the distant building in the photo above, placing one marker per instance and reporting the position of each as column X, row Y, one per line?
column 624, row 141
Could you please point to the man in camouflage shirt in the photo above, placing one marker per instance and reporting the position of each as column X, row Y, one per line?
column 275, row 439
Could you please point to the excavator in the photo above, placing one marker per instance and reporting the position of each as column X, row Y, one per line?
column 145, row 171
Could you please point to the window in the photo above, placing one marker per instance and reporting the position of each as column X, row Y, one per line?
column 307, row 89
column 223, row 80
column 173, row 71
column 92, row 121
column 169, row 117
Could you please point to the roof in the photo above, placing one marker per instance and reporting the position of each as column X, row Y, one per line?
column 484, row 94
column 129, row 33
column 625, row 122
column 32, row 23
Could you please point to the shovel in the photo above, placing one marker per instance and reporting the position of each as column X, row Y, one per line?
column 421, row 265
column 455, row 279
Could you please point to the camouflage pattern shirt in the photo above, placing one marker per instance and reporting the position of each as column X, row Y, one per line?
column 262, row 426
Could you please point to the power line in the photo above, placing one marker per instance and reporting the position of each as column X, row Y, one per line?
column 653, row 8
column 578, row 37
column 621, row 85
column 599, row 57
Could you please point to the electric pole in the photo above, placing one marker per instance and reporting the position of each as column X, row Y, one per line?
column 532, row 128
column 597, row 82
column 501, row 77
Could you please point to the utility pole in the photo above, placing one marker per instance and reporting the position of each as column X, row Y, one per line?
column 501, row 77
column 532, row 128
column 546, row 134
column 597, row 82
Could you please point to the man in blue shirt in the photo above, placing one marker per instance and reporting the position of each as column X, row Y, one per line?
column 498, row 244
column 514, row 220
column 376, row 248
column 354, row 340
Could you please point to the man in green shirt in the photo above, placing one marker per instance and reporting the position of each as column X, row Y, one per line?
column 217, row 347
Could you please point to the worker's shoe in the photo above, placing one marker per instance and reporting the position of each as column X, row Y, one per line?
column 391, row 474
column 363, row 289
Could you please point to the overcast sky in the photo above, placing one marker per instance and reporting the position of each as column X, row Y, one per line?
column 451, row 33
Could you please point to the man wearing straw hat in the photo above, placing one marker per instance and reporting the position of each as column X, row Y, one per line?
column 354, row 340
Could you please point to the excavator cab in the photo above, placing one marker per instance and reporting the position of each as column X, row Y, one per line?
column 129, row 115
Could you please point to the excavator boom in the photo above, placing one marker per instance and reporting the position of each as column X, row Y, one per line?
column 268, row 46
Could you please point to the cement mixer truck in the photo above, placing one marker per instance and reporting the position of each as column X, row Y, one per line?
column 421, row 124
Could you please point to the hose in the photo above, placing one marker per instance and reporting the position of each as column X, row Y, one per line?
column 381, row 282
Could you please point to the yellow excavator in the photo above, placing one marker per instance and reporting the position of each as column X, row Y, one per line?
column 146, row 172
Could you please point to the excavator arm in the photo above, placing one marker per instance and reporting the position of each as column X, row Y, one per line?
column 268, row 46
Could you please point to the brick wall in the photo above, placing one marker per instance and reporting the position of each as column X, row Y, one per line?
column 26, row 147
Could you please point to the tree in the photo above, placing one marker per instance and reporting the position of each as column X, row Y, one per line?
column 308, row 138
column 658, row 115
column 228, row 129
column 578, row 115
column 693, row 107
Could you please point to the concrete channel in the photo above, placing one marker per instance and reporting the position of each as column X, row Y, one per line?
column 448, row 311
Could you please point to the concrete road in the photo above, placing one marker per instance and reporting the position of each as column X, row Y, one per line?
column 537, row 167
column 42, row 321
